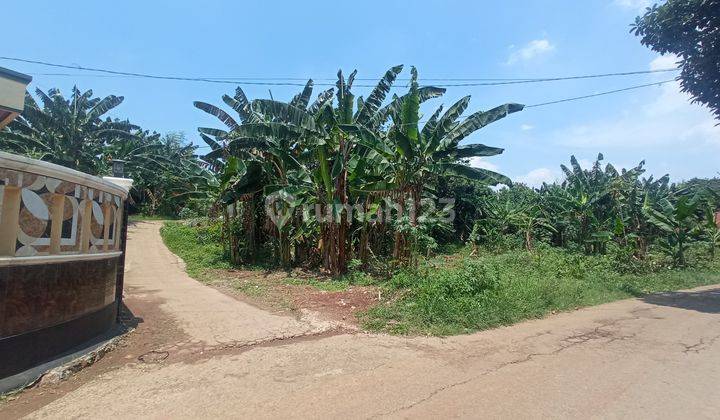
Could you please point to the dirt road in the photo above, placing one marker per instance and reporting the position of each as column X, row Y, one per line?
column 657, row 357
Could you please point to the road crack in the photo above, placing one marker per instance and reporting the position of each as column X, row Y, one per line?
column 566, row 343
column 703, row 344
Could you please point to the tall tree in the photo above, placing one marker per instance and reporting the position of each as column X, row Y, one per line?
column 69, row 132
column 689, row 29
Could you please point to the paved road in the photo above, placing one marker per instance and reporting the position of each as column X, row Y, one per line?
column 652, row 358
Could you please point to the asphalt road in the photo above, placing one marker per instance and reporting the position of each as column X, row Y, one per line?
column 657, row 357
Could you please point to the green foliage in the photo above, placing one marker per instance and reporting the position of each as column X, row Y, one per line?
column 601, row 210
column 167, row 176
column 676, row 220
column 71, row 132
column 496, row 290
column 199, row 246
column 688, row 29
column 342, row 153
column 68, row 132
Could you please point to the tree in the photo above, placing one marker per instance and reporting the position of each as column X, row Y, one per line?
column 413, row 158
column 342, row 152
column 675, row 220
column 71, row 132
column 68, row 132
column 711, row 230
column 689, row 29
column 167, row 176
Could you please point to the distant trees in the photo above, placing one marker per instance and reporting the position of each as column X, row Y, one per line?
column 69, row 132
column 74, row 133
column 599, row 210
column 689, row 29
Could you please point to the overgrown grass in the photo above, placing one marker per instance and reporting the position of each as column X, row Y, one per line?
column 199, row 247
column 457, row 293
column 145, row 217
column 494, row 290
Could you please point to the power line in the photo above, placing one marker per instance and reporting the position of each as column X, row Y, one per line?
column 304, row 79
column 265, row 82
column 599, row 94
column 575, row 98
column 282, row 79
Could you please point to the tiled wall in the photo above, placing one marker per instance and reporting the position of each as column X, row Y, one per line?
column 37, row 296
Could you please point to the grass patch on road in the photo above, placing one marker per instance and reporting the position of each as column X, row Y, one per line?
column 495, row 290
column 199, row 247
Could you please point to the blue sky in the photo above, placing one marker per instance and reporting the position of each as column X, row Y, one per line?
column 443, row 39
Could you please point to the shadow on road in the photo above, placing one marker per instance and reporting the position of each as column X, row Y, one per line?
column 707, row 301
column 129, row 319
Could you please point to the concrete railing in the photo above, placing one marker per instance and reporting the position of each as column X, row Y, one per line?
column 47, row 210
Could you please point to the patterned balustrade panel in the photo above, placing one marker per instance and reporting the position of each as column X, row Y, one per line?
column 60, row 259
column 47, row 215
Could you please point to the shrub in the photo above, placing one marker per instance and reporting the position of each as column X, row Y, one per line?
column 495, row 290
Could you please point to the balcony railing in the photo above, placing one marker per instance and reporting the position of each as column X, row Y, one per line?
column 52, row 213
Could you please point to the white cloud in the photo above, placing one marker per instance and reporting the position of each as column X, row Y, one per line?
column 634, row 5
column 479, row 162
column 662, row 62
column 536, row 177
column 526, row 127
column 533, row 49
column 667, row 118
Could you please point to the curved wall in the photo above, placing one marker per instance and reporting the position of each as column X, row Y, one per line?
column 60, row 260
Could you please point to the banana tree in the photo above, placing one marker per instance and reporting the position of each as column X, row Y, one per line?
column 417, row 156
column 278, row 136
column 69, row 132
column 676, row 220
column 711, row 230
column 237, row 158
column 325, row 146
column 529, row 220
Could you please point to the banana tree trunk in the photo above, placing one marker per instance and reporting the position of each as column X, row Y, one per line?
column 249, row 229
column 400, row 245
column 230, row 234
column 529, row 240
column 284, row 248
column 415, row 210
column 364, row 244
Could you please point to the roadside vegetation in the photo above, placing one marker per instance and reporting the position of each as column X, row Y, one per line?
column 199, row 247
column 598, row 236
column 497, row 289
column 481, row 258
column 506, row 254
column 334, row 190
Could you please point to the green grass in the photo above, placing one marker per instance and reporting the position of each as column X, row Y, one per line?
column 459, row 294
column 329, row 285
column 145, row 217
column 494, row 290
column 199, row 247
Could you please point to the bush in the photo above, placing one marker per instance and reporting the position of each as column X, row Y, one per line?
column 187, row 213
column 496, row 290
